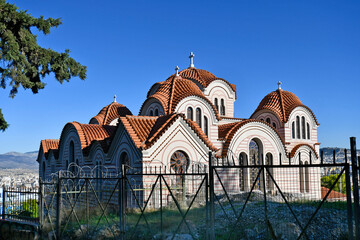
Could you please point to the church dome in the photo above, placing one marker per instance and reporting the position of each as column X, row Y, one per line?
column 173, row 90
column 109, row 113
column 281, row 103
column 203, row 77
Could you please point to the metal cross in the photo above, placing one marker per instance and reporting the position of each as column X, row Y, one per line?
column 192, row 55
column 114, row 98
column 177, row 70
column 279, row 85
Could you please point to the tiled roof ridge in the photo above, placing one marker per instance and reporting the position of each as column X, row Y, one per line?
column 279, row 91
column 237, row 126
column 49, row 145
column 91, row 132
column 293, row 151
column 130, row 130
column 111, row 112
column 199, row 132
column 173, row 82
column 156, row 131
column 107, row 112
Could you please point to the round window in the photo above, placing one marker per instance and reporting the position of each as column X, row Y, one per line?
column 179, row 162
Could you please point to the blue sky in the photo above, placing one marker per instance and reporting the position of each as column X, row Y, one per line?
column 313, row 47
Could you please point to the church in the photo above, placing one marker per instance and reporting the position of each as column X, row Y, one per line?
column 182, row 119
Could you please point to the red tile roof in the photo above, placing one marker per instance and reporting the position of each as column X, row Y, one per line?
column 281, row 103
column 227, row 132
column 48, row 144
column 146, row 130
column 203, row 77
column 333, row 194
column 293, row 151
column 91, row 132
column 110, row 112
column 173, row 90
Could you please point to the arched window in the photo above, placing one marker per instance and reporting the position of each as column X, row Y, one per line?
column 303, row 127
column 308, row 130
column 124, row 161
column 198, row 116
column 301, row 177
column 151, row 113
column 255, row 159
column 293, row 130
column 297, row 127
column 274, row 125
column 72, row 157
column 43, row 170
column 206, row 126
column 269, row 182
column 190, row 113
column 222, row 107
column 156, row 112
column 268, row 120
column 307, row 177
column 243, row 172
column 216, row 104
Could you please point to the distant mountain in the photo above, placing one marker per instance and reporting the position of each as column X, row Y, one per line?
column 339, row 154
column 19, row 160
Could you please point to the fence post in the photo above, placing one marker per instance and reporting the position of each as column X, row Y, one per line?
column 349, row 202
column 58, row 206
column 4, row 204
column 212, row 206
column 355, row 186
column 41, row 204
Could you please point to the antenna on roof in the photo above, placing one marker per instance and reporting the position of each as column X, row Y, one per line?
column 279, row 84
column 192, row 55
column 114, row 98
column 177, row 71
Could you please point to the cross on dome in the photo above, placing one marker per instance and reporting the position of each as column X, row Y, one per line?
column 192, row 55
column 114, row 98
column 177, row 70
column 279, row 84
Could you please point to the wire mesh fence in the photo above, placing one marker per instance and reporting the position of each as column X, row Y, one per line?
column 230, row 198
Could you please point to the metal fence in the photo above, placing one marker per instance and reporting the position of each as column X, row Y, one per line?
column 20, row 204
column 227, row 200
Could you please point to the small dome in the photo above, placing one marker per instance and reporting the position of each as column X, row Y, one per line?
column 281, row 103
column 109, row 113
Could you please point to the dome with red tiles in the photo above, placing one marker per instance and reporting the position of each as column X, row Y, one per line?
column 281, row 103
column 109, row 113
column 203, row 77
column 173, row 90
